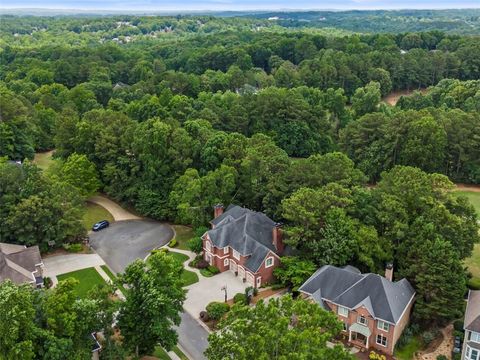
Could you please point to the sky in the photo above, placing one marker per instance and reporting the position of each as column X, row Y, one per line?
column 182, row 5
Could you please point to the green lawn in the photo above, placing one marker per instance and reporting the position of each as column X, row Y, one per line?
column 474, row 198
column 188, row 277
column 44, row 160
column 407, row 351
column 179, row 352
column 108, row 272
column 94, row 213
column 160, row 353
column 87, row 278
column 183, row 234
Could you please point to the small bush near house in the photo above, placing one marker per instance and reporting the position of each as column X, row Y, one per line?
column 457, row 356
column 73, row 248
column 239, row 298
column 173, row 243
column 216, row 310
column 195, row 244
column 204, row 316
column 199, row 231
column 442, row 357
column 200, row 264
column 374, row 356
column 458, row 325
column 47, row 282
column 213, row 269
column 428, row 336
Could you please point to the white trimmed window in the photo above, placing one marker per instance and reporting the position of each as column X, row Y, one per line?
column 471, row 354
column 382, row 325
column 381, row 340
column 362, row 320
column 342, row 311
column 236, row 254
column 345, row 326
column 475, row 336
column 225, row 262
column 259, row 281
column 225, row 250
column 208, row 245
column 269, row 262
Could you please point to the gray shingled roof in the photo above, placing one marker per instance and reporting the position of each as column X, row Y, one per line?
column 246, row 231
column 384, row 299
column 17, row 262
column 472, row 313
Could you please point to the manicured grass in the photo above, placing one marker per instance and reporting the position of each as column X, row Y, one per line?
column 44, row 160
column 160, row 353
column 474, row 198
column 407, row 351
column 87, row 278
column 183, row 234
column 473, row 262
column 93, row 214
column 108, row 272
column 188, row 277
column 179, row 353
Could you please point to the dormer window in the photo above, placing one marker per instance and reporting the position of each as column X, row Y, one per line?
column 236, row 254
column 225, row 250
column 342, row 311
column 362, row 320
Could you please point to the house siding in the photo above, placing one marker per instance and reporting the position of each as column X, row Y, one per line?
column 372, row 325
column 217, row 259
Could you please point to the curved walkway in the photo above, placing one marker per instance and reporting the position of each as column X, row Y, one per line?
column 113, row 208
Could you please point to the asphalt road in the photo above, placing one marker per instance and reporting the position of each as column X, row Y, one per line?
column 192, row 337
column 125, row 241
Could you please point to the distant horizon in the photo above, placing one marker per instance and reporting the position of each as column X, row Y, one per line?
column 153, row 6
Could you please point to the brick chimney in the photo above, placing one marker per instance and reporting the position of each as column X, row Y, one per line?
column 389, row 272
column 277, row 238
column 217, row 210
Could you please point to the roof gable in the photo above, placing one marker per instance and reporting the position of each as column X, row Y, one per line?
column 384, row 299
column 17, row 263
column 472, row 312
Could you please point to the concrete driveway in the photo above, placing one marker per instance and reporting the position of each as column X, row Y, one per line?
column 125, row 241
column 207, row 290
column 113, row 208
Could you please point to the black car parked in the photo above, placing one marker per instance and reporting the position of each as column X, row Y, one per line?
column 100, row 225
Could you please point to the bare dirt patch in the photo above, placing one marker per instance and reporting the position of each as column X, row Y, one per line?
column 394, row 96
column 441, row 346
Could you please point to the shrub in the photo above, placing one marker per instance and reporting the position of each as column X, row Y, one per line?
column 442, row 357
column 277, row 286
column 374, row 356
column 213, row 269
column 173, row 243
column 202, row 264
column 239, row 298
column 457, row 356
column 204, row 316
column 47, row 282
column 195, row 244
column 73, row 248
column 458, row 325
column 199, row 231
column 206, row 273
column 216, row 310
column 474, row 284
column 428, row 336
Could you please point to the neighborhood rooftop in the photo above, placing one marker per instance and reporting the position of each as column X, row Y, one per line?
column 384, row 299
column 246, row 231
column 18, row 263
column 472, row 313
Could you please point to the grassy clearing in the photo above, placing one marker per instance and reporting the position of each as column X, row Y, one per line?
column 473, row 263
column 188, row 277
column 406, row 352
column 474, row 198
column 94, row 213
column 108, row 272
column 179, row 353
column 43, row 160
column 87, row 278
column 183, row 234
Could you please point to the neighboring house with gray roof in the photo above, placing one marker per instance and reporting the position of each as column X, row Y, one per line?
column 21, row 264
column 471, row 324
column 373, row 309
column 246, row 242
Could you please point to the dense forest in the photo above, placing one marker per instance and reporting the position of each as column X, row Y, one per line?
column 175, row 114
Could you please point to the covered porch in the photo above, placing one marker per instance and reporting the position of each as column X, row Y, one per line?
column 359, row 335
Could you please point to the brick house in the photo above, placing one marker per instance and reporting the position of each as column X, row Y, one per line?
column 373, row 309
column 471, row 343
column 246, row 242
